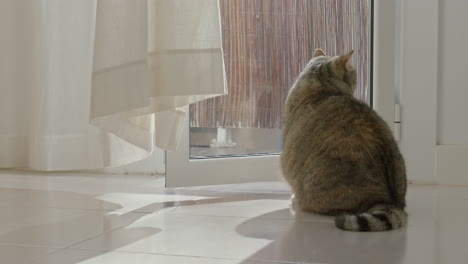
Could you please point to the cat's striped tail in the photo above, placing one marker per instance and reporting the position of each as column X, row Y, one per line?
column 381, row 217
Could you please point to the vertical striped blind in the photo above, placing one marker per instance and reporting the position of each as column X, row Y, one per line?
column 268, row 42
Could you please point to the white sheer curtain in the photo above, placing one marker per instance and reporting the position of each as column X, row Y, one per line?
column 96, row 83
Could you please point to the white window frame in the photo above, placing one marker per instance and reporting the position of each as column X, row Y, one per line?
column 182, row 171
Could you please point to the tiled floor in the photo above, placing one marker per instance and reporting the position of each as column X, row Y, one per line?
column 111, row 219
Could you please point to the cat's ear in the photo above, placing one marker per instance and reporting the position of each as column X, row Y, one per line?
column 319, row 52
column 344, row 60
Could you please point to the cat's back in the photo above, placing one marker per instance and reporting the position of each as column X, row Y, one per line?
column 333, row 126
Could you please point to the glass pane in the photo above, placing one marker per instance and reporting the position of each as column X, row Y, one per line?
column 266, row 44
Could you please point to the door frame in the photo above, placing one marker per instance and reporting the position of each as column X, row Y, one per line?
column 428, row 160
column 418, row 84
column 182, row 172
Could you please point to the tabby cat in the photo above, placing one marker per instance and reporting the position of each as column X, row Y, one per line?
column 339, row 156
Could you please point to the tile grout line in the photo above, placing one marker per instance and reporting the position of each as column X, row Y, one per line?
column 164, row 211
column 69, row 247
column 175, row 255
column 254, row 217
column 51, row 249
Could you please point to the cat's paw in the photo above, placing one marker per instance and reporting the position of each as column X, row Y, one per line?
column 293, row 204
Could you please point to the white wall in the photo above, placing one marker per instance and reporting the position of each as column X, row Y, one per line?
column 453, row 73
column 418, row 83
column 434, row 37
column 452, row 93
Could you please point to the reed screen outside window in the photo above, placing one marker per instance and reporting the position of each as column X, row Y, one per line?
column 266, row 45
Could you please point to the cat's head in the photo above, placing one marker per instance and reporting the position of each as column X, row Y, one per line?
column 337, row 67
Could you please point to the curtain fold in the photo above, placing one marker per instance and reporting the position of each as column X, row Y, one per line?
column 97, row 83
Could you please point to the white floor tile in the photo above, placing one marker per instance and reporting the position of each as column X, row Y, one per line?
column 59, row 228
column 255, row 239
column 54, row 199
column 107, row 194
column 249, row 206
column 82, row 183
column 234, row 229
column 97, row 257
column 142, row 222
column 188, row 235
column 17, row 254
column 146, row 203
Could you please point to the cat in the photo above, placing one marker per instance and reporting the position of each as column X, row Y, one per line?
column 339, row 156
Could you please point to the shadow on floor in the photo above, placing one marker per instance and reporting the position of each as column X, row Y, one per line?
column 55, row 233
column 322, row 242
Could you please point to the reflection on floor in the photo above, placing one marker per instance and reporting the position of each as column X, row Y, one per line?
column 100, row 219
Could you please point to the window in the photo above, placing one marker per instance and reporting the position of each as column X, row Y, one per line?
column 266, row 44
